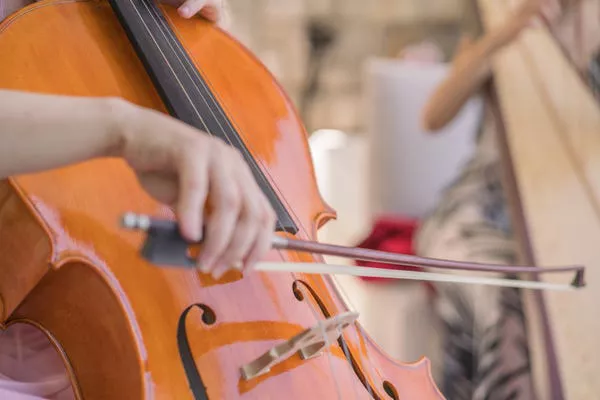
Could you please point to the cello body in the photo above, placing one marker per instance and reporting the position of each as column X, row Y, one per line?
column 121, row 324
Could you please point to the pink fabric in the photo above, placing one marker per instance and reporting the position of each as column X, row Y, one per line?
column 30, row 367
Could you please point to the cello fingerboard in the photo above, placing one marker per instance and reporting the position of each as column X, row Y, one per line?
column 184, row 92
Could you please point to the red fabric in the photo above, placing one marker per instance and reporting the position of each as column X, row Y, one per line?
column 392, row 234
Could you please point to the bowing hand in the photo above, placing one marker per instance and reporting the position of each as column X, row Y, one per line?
column 191, row 170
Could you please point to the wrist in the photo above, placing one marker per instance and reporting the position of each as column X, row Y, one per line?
column 114, row 112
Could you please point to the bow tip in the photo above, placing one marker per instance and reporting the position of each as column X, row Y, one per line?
column 578, row 280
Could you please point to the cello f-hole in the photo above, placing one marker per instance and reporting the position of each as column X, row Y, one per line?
column 297, row 292
column 390, row 390
column 208, row 315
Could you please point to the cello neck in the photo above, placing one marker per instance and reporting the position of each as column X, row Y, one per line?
column 167, row 64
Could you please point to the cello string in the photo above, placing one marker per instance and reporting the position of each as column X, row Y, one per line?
column 184, row 56
column 345, row 349
column 183, row 88
column 167, row 61
column 373, row 371
column 157, row 20
column 162, row 27
column 170, row 42
column 179, row 51
column 327, row 346
column 184, row 60
column 172, row 71
column 178, row 45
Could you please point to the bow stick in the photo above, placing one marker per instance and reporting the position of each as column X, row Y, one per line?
column 166, row 246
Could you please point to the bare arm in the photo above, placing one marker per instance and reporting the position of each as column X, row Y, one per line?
column 471, row 69
column 41, row 132
column 175, row 163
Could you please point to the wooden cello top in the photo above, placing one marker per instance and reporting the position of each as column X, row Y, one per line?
column 552, row 136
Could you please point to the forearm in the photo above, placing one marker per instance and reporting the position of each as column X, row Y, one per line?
column 450, row 97
column 40, row 132
column 472, row 68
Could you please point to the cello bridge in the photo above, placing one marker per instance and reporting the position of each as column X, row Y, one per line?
column 308, row 344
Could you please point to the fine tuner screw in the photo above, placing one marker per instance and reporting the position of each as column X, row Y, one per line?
column 135, row 221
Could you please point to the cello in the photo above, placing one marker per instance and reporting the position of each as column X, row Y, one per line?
column 127, row 328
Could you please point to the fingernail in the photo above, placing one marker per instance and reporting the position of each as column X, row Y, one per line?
column 203, row 262
column 238, row 265
column 184, row 11
column 191, row 233
column 205, row 268
column 202, row 268
column 219, row 271
column 203, row 265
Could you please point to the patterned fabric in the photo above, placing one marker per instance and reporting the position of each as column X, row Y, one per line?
column 485, row 354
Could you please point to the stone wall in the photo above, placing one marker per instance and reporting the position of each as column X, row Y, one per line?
column 276, row 30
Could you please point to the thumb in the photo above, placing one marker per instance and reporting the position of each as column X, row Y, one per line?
column 208, row 9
